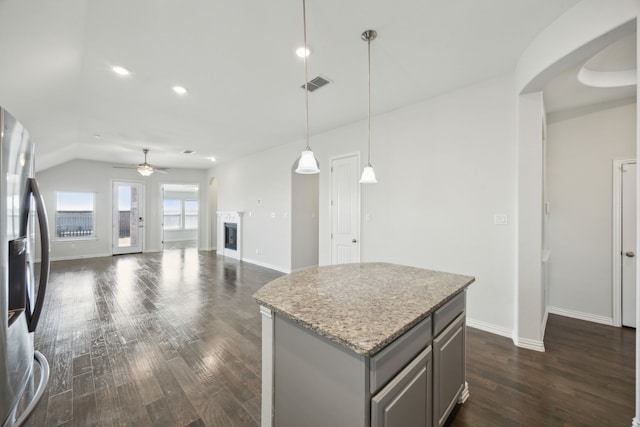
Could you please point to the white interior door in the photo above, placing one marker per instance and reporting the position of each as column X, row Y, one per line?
column 345, row 210
column 628, row 252
column 128, row 217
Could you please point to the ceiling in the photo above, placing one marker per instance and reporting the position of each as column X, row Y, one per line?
column 236, row 58
column 568, row 92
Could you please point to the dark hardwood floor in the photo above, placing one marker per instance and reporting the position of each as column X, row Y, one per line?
column 173, row 339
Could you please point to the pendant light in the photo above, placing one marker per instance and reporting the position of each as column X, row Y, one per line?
column 368, row 176
column 307, row 163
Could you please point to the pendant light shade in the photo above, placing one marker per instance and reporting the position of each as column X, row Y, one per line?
column 368, row 175
column 307, row 163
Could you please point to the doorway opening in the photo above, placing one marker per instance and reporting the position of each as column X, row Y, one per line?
column 180, row 216
column 624, row 255
column 305, row 209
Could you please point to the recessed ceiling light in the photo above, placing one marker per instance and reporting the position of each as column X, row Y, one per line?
column 121, row 71
column 301, row 52
column 213, row 159
column 180, row 90
column 188, row 151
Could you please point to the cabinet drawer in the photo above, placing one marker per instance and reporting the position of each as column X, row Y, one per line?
column 406, row 400
column 445, row 314
column 386, row 364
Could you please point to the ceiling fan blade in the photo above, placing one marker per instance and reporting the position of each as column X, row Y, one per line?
column 125, row 167
column 161, row 170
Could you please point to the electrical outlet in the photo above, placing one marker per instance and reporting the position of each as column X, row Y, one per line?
column 500, row 219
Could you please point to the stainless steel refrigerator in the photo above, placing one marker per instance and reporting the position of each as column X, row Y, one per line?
column 24, row 372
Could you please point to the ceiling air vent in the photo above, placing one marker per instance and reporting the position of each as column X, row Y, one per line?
column 316, row 83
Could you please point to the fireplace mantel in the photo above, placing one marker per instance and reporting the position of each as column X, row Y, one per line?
column 229, row 217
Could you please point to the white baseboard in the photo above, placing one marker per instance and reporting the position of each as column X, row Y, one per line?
column 72, row 257
column 581, row 315
column 545, row 318
column 266, row 265
column 488, row 327
column 508, row 333
column 530, row 344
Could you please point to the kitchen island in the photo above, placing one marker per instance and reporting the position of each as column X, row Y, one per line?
column 369, row 345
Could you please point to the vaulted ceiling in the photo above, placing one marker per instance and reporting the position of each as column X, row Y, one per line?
column 237, row 60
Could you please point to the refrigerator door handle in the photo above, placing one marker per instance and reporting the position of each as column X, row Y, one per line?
column 34, row 315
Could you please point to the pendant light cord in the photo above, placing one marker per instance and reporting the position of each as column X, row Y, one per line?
column 306, row 89
column 369, row 110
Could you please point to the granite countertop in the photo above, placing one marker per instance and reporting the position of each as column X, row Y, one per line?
column 361, row 306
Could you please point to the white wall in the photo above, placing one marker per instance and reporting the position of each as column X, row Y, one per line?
column 260, row 186
column 97, row 177
column 530, row 295
column 212, row 209
column 445, row 167
column 581, row 149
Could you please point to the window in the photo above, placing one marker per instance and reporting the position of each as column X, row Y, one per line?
column 180, row 214
column 172, row 212
column 191, row 214
column 75, row 215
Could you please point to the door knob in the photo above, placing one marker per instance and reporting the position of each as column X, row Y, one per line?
column 354, row 241
column 630, row 254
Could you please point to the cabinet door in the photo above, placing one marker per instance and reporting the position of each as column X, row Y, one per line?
column 406, row 400
column 448, row 369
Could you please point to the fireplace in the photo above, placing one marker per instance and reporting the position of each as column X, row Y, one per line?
column 231, row 235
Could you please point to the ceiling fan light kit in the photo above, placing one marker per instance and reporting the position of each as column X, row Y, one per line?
column 145, row 169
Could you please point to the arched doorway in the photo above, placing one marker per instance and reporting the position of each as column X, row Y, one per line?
column 305, row 206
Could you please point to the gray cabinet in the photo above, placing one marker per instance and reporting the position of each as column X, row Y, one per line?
column 406, row 400
column 415, row 381
column 448, row 369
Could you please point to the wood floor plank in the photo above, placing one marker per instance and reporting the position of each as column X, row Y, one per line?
column 177, row 400
column 132, row 406
column 82, row 364
column 60, row 408
column 174, row 338
column 61, row 372
column 109, row 411
column 160, row 414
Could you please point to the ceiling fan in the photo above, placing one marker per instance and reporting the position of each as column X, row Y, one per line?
column 145, row 169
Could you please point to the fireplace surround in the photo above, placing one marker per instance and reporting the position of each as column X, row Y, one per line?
column 229, row 241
